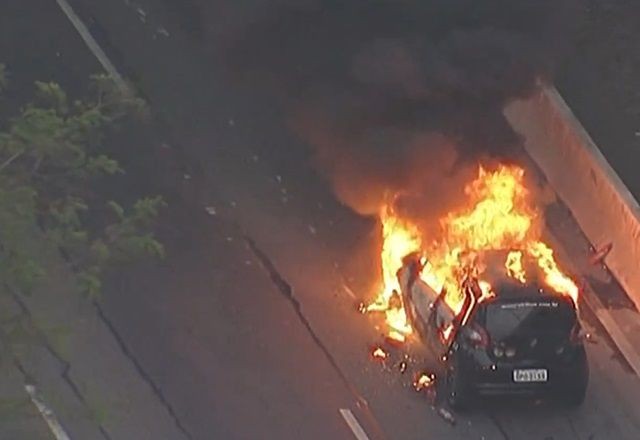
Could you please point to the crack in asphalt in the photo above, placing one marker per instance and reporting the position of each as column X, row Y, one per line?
column 145, row 376
column 498, row 424
column 127, row 353
column 66, row 367
column 76, row 390
column 287, row 291
column 573, row 428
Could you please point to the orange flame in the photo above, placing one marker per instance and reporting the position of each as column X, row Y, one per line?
column 487, row 290
column 498, row 215
column 553, row 275
column 514, row 266
column 400, row 238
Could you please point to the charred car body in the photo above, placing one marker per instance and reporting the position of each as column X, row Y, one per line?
column 522, row 340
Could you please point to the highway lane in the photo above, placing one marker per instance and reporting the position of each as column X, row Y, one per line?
column 172, row 316
column 222, row 342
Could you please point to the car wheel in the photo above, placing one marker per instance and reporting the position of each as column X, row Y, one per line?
column 573, row 395
column 458, row 394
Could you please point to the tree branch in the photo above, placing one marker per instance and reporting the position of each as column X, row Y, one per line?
column 11, row 159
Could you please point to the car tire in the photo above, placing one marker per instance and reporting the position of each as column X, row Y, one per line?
column 457, row 389
column 573, row 395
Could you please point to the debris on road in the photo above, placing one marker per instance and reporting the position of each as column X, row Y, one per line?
column 424, row 381
column 211, row 210
column 447, row 416
column 600, row 254
column 379, row 354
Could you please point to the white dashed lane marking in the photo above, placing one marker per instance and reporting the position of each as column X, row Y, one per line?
column 46, row 413
column 353, row 424
column 91, row 42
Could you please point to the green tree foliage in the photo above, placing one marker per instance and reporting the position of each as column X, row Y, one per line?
column 52, row 162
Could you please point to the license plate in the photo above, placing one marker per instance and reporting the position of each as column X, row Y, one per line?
column 530, row 375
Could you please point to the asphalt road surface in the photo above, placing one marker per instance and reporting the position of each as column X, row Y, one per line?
column 249, row 326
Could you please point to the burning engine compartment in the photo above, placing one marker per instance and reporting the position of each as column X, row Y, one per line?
column 499, row 214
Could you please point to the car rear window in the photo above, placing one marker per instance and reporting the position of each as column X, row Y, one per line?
column 513, row 319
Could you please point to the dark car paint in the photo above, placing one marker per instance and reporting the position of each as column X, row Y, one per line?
column 484, row 374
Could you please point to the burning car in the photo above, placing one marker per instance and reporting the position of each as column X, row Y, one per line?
column 512, row 338
column 485, row 292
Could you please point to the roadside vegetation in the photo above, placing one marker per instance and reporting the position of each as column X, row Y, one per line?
column 52, row 165
column 54, row 177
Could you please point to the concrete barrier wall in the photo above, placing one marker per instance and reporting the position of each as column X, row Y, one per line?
column 601, row 204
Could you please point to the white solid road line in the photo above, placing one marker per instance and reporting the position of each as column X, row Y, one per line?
column 351, row 420
column 91, row 43
column 47, row 414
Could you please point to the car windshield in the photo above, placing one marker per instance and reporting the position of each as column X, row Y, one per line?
column 513, row 319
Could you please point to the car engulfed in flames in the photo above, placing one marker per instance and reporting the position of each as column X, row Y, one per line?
column 499, row 214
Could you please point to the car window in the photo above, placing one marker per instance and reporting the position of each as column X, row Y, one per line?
column 513, row 319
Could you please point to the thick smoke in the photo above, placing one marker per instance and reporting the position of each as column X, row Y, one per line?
column 402, row 96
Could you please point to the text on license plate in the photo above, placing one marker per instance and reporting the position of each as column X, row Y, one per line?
column 530, row 375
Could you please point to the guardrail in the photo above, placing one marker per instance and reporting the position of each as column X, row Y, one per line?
column 574, row 166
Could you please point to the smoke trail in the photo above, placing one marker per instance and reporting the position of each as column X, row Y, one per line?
column 402, row 96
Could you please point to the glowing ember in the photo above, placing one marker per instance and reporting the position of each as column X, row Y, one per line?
column 379, row 353
column 498, row 216
column 424, row 381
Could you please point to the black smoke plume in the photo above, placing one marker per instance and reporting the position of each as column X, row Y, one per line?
column 403, row 96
